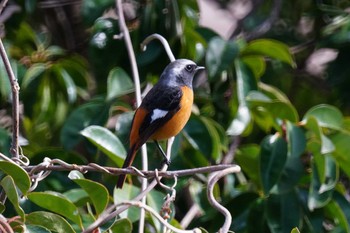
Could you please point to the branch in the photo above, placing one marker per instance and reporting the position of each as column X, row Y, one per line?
column 15, row 102
column 164, row 42
column 164, row 222
column 211, row 183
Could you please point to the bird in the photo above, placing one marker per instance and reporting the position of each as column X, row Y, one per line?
column 164, row 111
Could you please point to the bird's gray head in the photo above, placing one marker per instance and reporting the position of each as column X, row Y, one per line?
column 180, row 72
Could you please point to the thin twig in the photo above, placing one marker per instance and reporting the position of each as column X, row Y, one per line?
column 214, row 177
column 129, row 171
column 124, row 30
column 164, row 222
column 162, row 40
column 15, row 102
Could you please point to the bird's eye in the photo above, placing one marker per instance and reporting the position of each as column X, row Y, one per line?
column 189, row 68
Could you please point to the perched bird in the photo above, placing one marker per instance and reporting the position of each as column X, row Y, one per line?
column 164, row 111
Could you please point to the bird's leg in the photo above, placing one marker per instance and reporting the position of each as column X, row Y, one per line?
column 166, row 160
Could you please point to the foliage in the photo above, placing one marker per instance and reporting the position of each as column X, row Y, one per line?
column 286, row 127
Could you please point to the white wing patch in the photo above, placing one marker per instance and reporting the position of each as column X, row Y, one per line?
column 157, row 114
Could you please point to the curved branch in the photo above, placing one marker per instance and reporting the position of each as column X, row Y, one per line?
column 165, row 43
column 163, row 221
column 211, row 183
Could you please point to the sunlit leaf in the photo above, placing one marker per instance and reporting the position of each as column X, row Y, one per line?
column 107, row 142
column 69, row 84
column 270, row 48
column 241, row 121
column 342, row 148
column 295, row 230
column 256, row 63
column 51, row 221
column 18, row 174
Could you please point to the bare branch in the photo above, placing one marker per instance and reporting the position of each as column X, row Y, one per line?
column 214, row 177
column 15, row 102
column 164, row 222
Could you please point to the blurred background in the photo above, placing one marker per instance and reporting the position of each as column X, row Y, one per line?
column 270, row 64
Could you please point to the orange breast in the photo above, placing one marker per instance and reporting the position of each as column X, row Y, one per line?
column 179, row 120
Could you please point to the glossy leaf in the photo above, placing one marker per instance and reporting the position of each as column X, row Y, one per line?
column 317, row 199
column 295, row 230
column 97, row 193
column 51, row 221
column 121, row 226
column 246, row 81
column 94, row 112
column 256, row 63
column 107, row 142
column 330, row 174
column 283, row 212
column 18, row 174
column 270, row 48
column 128, row 192
column 9, row 187
column 220, row 55
column 296, row 139
column 118, row 83
column 326, row 115
column 273, row 156
column 56, row 203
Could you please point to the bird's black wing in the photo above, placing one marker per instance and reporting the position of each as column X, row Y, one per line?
column 164, row 98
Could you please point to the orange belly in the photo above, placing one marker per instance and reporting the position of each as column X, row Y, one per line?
column 179, row 120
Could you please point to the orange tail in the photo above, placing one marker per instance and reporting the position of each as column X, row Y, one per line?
column 127, row 163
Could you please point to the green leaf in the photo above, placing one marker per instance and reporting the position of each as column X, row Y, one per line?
column 10, row 189
column 155, row 199
column 273, row 156
column 220, row 55
column 203, row 136
column 329, row 175
column 295, row 230
column 342, row 147
column 338, row 209
column 97, row 193
column 128, row 192
column 32, row 73
column 296, row 139
column 316, row 199
column 256, row 63
column 246, row 81
column 283, row 212
column 270, row 48
column 326, row 115
column 94, row 112
column 118, row 83
column 36, row 229
column 56, row 203
column 123, row 225
column 247, row 156
column 69, row 85
column 51, row 221
column 327, row 145
column 107, row 142
column 18, row 174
